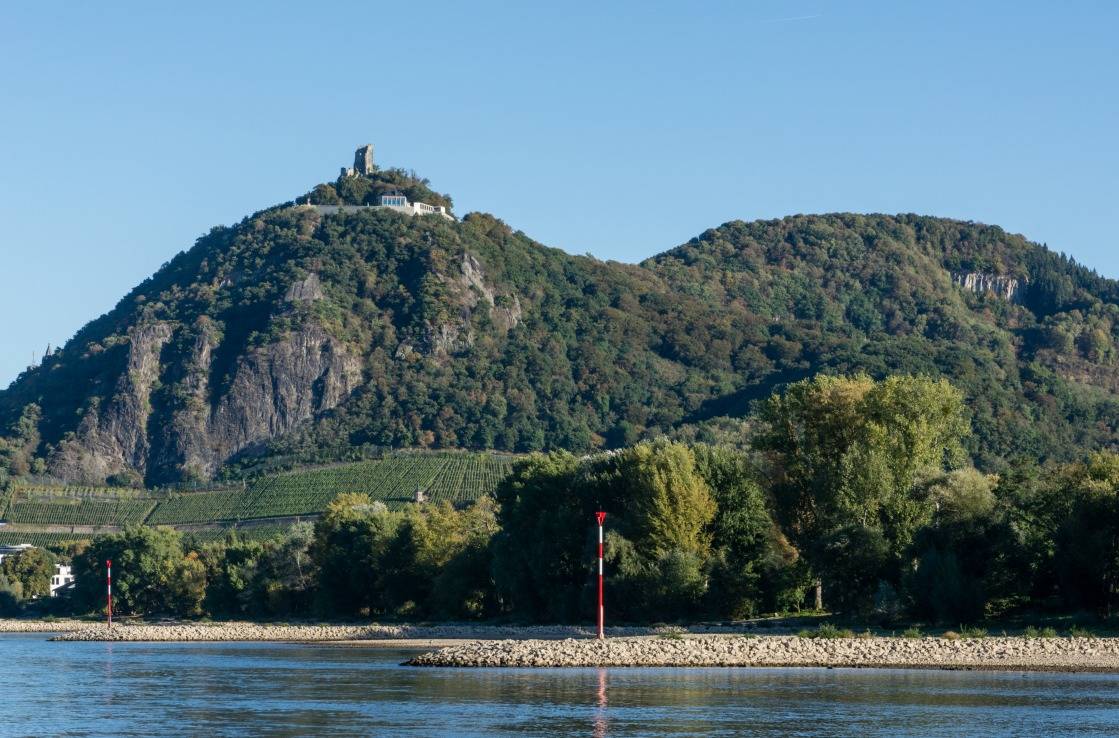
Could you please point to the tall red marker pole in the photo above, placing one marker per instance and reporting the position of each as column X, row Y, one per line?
column 109, row 589
column 601, row 517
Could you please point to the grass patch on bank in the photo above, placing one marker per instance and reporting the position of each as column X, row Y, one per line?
column 826, row 631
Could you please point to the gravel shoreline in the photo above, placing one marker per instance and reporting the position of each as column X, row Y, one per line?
column 467, row 645
column 45, row 626
column 998, row 653
column 316, row 632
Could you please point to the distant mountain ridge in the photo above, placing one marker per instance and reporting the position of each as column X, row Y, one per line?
column 308, row 336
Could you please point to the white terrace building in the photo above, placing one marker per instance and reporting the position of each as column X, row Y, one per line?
column 393, row 201
column 399, row 203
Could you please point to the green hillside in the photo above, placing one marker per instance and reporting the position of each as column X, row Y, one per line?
column 39, row 511
column 298, row 337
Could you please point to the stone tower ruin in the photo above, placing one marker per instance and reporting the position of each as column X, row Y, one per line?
column 363, row 160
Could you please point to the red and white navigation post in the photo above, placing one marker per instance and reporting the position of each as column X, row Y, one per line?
column 109, row 590
column 601, row 517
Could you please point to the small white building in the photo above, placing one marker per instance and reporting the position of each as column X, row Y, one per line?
column 62, row 577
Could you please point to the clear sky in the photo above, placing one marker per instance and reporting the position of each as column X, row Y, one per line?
column 619, row 129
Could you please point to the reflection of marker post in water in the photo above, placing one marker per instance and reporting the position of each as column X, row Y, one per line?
column 109, row 590
column 601, row 517
column 600, row 713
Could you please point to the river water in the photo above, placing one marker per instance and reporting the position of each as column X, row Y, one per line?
column 201, row 689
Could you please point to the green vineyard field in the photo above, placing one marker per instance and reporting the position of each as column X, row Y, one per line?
column 198, row 507
column 394, row 480
column 76, row 491
column 79, row 511
column 43, row 540
column 455, row 477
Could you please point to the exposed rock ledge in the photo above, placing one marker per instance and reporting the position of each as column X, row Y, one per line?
column 1000, row 285
column 1007, row 653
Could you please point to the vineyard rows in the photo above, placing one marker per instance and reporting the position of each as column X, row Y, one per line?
column 468, row 478
column 394, row 480
column 35, row 538
column 79, row 511
column 198, row 507
column 39, row 491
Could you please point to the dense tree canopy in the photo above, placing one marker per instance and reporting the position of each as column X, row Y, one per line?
column 688, row 530
column 28, row 574
column 847, row 457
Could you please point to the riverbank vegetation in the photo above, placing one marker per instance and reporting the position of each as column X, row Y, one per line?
column 856, row 496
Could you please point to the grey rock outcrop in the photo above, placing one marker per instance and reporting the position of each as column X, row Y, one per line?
column 282, row 384
column 999, row 285
column 305, row 290
column 270, row 390
column 471, row 292
column 112, row 436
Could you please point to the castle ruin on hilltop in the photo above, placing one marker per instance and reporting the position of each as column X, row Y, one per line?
column 395, row 200
column 363, row 162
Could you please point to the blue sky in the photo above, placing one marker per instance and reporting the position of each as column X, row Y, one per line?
column 619, row 129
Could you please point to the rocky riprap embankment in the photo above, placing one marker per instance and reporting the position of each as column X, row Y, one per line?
column 44, row 626
column 237, row 631
column 1064, row 654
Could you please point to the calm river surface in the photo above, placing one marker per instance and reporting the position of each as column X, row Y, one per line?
column 124, row 689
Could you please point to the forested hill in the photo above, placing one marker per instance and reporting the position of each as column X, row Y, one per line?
column 303, row 336
column 1026, row 333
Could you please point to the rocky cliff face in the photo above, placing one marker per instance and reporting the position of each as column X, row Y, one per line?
column 999, row 285
column 196, row 391
column 272, row 390
column 112, row 437
column 278, row 387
